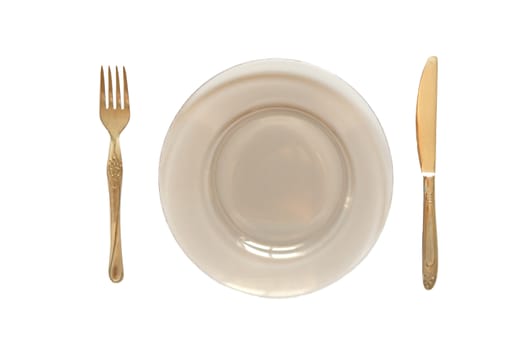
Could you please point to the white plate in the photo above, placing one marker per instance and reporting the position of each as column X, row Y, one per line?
column 275, row 178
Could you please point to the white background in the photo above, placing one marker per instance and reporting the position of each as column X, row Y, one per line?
column 54, row 228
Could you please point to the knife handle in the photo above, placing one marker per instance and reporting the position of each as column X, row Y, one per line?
column 114, row 177
column 430, row 260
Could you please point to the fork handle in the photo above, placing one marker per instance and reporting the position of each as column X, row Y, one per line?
column 114, row 177
column 430, row 260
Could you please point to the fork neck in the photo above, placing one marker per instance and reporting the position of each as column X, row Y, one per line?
column 114, row 148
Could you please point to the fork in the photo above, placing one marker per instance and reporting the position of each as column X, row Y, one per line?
column 115, row 119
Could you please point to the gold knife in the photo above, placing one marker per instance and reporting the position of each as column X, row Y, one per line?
column 426, row 146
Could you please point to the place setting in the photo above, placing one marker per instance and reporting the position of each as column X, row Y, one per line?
column 275, row 176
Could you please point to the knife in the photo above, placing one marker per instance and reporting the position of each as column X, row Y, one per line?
column 426, row 121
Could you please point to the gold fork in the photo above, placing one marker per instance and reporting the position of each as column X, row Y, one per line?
column 115, row 119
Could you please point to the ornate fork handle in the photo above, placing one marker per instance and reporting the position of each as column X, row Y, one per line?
column 114, row 177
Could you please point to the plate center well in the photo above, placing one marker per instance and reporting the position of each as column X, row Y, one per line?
column 280, row 181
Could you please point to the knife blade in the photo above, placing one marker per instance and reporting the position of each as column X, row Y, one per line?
column 426, row 123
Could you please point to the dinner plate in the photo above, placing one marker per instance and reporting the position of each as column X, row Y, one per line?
column 275, row 178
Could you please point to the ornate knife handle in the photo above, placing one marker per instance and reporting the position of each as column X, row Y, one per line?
column 430, row 260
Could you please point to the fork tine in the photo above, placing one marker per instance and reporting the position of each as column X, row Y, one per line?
column 103, row 104
column 118, row 93
column 125, row 90
column 111, row 106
